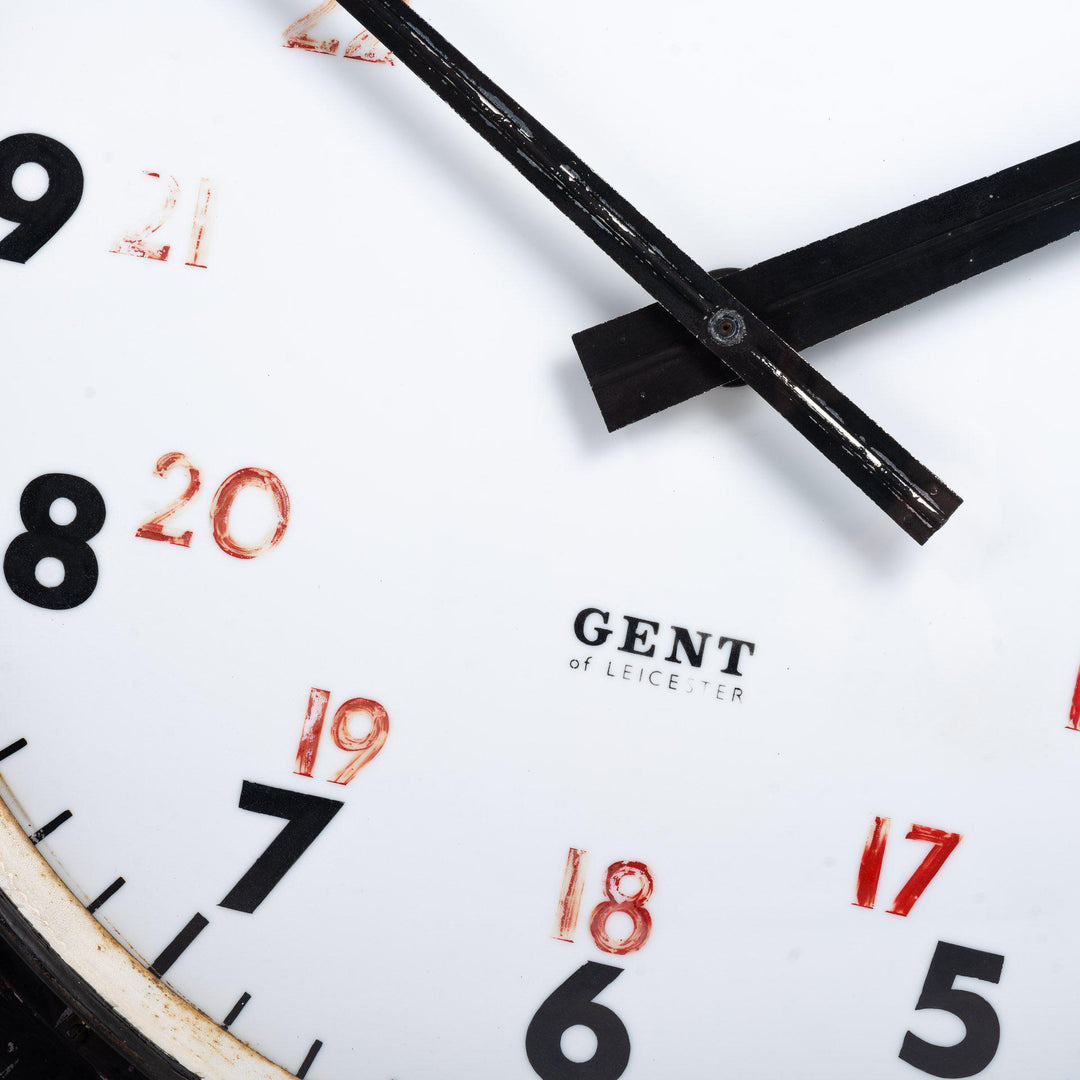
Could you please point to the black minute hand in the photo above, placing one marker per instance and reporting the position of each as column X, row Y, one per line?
column 906, row 490
column 643, row 362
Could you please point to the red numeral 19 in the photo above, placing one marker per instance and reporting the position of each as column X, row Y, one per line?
column 364, row 748
column 627, row 886
column 944, row 843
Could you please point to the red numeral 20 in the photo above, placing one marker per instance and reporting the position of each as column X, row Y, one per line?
column 362, row 47
column 363, row 749
column 138, row 242
column 220, row 508
column 874, row 853
column 627, row 886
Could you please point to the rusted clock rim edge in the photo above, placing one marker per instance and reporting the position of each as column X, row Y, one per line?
column 135, row 1013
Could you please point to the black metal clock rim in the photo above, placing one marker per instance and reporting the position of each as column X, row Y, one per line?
column 56, row 975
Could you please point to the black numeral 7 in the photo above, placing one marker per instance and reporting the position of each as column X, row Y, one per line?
column 307, row 815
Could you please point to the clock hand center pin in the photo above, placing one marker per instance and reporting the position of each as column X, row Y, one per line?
column 641, row 363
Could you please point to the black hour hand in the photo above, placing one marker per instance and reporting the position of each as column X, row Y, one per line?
column 644, row 362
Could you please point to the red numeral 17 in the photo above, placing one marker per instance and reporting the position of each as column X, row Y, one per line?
column 1074, row 710
column 874, row 853
column 364, row 748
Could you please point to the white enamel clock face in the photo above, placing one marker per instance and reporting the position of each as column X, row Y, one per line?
column 672, row 718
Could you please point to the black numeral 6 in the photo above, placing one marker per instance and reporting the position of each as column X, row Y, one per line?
column 572, row 1004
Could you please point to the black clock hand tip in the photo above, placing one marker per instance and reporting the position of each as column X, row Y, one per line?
column 836, row 426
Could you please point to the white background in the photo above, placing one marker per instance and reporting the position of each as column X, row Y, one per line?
column 385, row 323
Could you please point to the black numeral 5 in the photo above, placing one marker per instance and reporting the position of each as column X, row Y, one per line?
column 979, row 1045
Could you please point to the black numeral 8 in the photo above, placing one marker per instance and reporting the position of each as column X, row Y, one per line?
column 44, row 539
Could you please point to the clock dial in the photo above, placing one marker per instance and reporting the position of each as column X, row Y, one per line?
column 370, row 711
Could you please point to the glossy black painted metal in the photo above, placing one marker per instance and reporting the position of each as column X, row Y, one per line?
column 880, row 466
column 41, row 1037
column 60, row 998
column 644, row 362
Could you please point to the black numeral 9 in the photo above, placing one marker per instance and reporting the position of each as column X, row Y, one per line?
column 41, row 219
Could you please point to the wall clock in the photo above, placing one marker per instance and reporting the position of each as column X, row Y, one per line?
column 370, row 709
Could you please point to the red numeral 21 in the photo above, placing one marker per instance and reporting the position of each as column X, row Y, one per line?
column 138, row 241
column 362, row 47
column 627, row 886
column 220, row 508
column 874, row 853
column 363, row 749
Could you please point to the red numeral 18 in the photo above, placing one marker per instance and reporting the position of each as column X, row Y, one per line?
column 566, row 916
column 874, row 854
column 364, row 748
column 627, row 886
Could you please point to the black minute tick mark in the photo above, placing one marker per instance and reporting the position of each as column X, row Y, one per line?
column 175, row 949
column 235, row 1011
column 50, row 827
column 316, row 1046
column 110, row 892
column 17, row 745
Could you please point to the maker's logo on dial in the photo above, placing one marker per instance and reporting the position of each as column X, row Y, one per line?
column 670, row 658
